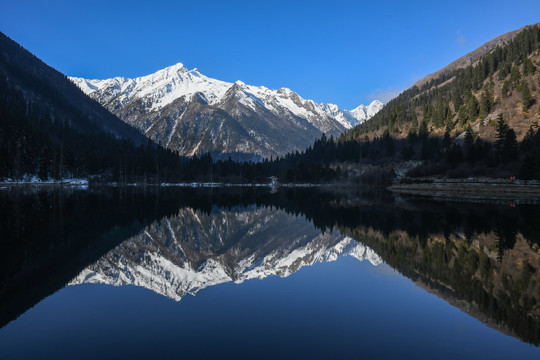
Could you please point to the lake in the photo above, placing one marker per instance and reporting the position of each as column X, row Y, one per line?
column 253, row 273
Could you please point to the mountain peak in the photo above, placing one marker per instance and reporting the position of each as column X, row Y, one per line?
column 359, row 108
column 376, row 103
column 177, row 67
column 170, row 71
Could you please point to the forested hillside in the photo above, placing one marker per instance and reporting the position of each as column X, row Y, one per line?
column 50, row 129
column 505, row 81
column 477, row 120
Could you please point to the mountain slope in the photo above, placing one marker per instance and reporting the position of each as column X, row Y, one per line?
column 49, row 128
column 472, row 57
column 188, row 112
column 472, row 90
column 475, row 121
column 40, row 83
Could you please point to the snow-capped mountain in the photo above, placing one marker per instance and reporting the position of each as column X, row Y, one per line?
column 192, row 251
column 193, row 114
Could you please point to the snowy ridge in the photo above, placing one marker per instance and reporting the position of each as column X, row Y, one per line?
column 165, row 86
column 158, row 89
column 367, row 112
column 183, row 255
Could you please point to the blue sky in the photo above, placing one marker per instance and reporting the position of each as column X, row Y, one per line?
column 343, row 52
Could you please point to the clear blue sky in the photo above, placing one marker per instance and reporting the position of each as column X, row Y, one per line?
column 344, row 52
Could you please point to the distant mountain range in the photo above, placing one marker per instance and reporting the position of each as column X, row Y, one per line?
column 191, row 113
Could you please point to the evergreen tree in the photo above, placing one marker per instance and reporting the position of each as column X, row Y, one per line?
column 449, row 123
column 413, row 130
column 502, row 129
column 504, row 71
column 472, row 107
column 447, row 140
column 456, row 98
column 462, row 115
column 527, row 142
column 530, row 168
column 528, row 67
column 469, row 142
column 526, row 99
column 423, row 129
column 510, row 149
column 486, row 103
column 454, row 155
column 515, row 76
column 505, row 88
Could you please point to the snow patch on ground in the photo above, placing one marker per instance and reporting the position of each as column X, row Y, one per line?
column 34, row 180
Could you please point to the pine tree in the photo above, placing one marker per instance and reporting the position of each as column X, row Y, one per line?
column 510, row 148
column 505, row 88
column 527, row 142
column 423, row 129
column 462, row 115
column 504, row 71
column 447, row 140
column 486, row 103
column 469, row 143
column 456, row 98
column 413, row 130
column 502, row 129
column 472, row 107
column 528, row 67
column 515, row 76
column 469, row 137
column 528, row 170
column 526, row 99
column 449, row 123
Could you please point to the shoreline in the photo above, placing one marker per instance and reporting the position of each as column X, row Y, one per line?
column 6, row 185
column 495, row 189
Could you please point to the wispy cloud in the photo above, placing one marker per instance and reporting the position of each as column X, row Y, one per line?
column 385, row 95
column 390, row 92
column 460, row 39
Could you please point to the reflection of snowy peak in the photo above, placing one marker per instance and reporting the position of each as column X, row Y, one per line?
column 193, row 251
column 192, row 113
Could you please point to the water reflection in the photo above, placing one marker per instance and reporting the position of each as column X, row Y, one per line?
column 192, row 250
column 481, row 258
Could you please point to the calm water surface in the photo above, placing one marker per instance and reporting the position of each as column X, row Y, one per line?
column 199, row 273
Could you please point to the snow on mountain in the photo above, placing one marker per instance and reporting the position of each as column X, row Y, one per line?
column 192, row 251
column 362, row 112
column 166, row 85
column 158, row 89
column 169, row 104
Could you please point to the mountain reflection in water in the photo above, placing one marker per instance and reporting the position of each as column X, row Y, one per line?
column 192, row 250
column 482, row 258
